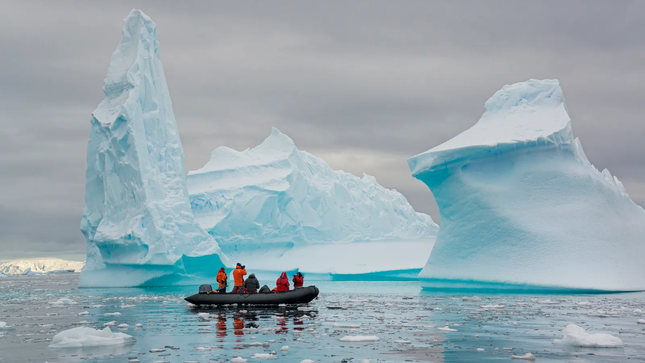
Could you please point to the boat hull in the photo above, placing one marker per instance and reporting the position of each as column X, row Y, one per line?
column 300, row 296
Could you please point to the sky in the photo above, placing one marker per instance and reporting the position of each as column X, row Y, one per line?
column 361, row 84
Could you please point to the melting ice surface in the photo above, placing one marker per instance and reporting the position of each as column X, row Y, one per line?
column 279, row 208
column 137, row 219
column 522, row 207
column 407, row 322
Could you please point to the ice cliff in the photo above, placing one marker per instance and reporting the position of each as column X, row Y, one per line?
column 277, row 198
column 137, row 219
column 521, row 206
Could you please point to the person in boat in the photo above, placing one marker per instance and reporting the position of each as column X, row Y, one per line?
column 282, row 284
column 238, row 278
column 251, row 285
column 222, row 279
column 298, row 281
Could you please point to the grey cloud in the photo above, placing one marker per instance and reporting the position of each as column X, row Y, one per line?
column 365, row 84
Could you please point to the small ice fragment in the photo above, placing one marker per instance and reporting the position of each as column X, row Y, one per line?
column 110, row 323
column 547, row 302
column 123, row 326
column 577, row 336
column 156, row 350
column 471, row 298
column 84, row 313
column 640, row 321
column 359, row 338
column 203, row 349
column 238, row 360
column 112, row 314
column 271, row 356
column 400, row 341
column 83, row 337
column 480, row 349
column 63, row 301
column 4, row 326
column 584, row 303
column 446, row 328
column 527, row 356
column 139, row 325
column 285, row 348
column 307, row 361
column 346, row 325
column 638, row 312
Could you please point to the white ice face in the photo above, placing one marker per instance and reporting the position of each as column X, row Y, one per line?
column 275, row 195
column 521, row 206
column 137, row 211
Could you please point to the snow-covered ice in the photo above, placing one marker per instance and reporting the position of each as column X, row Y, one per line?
column 527, row 356
column 137, row 219
column 83, row 337
column 359, row 338
column 279, row 208
column 523, row 208
column 576, row 336
column 63, row 301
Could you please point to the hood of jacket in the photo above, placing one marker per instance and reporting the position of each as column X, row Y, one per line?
column 251, row 276
column 283, row 275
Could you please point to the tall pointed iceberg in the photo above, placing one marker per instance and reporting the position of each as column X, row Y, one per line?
column 137, row 219
column 521, row 206
column 277, row 207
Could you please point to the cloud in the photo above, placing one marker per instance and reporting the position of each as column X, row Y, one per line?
column 362, row 84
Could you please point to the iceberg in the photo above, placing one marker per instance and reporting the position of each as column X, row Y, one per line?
column 137, row 219
column 523, row 208
column 42, row 265
column 277, row 208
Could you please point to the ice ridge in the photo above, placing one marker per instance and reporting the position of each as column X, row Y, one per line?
column 522, row 207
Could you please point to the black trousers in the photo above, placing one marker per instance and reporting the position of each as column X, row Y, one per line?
column 237, row 290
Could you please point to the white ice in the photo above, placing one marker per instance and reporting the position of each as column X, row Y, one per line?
column 359, row 338
column 576, row 336
column 83, row 337
column 523, row 208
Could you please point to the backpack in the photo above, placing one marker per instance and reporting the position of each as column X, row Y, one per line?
column 205, row 289
column 264, row 288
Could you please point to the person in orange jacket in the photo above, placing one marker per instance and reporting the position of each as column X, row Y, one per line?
column 238, row 278
column 282, row 284
column 222, row 279
column 298, row 281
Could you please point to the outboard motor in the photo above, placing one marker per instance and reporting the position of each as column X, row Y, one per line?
column 205, row 289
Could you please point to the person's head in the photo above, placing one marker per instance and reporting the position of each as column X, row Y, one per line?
column 222, row 269
column 239, row 264
column 283, row 275
column 252, row 275
column 299, row 274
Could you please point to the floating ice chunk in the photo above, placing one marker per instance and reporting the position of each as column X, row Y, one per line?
column 640, row 321
column 238, row 360
column 110, row 323
column 400, row 341
column 63, row 301
column 500, row 306
column 156, row 350
column 547, row 302
column 83, row 337
column 359, row 338
column 346, row 325
column 638, row 312
column 112, row 314
column 480, row 349
column 527, row 356
column 123, row 326
column 471, row 298
column 139, row 325
column 577, row 336
column 271, row 356
column 285, row 348
column 4, row 326
column 84, row 313
column 203, row 349
column 446, row 328
column 307, row 361
column 583, row 303
column 82, row 322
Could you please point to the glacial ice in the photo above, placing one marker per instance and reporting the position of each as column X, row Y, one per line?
column 137, row 219
column 576, row 336
column 277, row 208
column 83, row 337
column 521, row 206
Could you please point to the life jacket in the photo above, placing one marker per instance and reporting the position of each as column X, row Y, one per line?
column 282, row 284
column 298, row 281
column 237, row 276
column 222, row 278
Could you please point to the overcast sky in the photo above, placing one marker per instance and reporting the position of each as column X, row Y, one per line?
column 362, row 84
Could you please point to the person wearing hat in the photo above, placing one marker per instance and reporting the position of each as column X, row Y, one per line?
column 238, row 278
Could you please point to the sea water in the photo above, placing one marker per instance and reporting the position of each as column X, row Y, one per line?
column 408, row 322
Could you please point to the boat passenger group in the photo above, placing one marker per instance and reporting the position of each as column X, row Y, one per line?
column 252, row 285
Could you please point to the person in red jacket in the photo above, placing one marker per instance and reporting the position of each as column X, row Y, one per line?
column 298, row 281
column 283, row 283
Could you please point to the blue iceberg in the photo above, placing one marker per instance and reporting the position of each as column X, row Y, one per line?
column 522, row 208
column 137, row 219
column 277, row 208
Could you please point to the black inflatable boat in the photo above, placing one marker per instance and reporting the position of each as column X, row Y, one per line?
column 300, row 296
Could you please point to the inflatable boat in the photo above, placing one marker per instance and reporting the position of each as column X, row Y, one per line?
column 300, row 296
